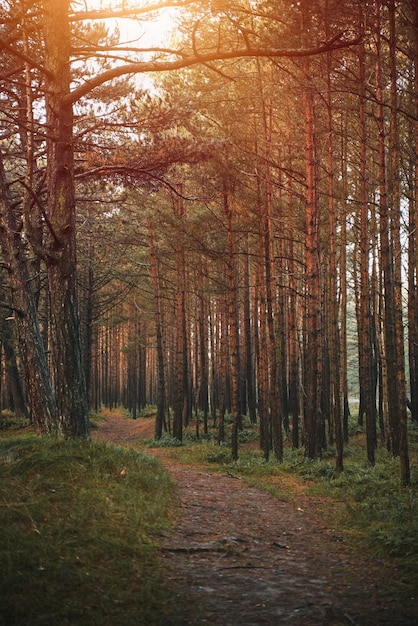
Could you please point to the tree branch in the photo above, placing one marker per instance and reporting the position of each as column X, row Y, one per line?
column 101, row 14
column 160, row 65
column 6, row 305
column 115, row 170
column 24, row 57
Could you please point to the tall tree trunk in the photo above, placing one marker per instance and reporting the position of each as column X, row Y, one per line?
column 396, row 404
column 212, row 376
column 413, row 231
column 32, row 351
column 180, row 369
column 275, row 398
column 343, row 286
column 159, row 422
column 60, row 257
column 312, row 356
column 395, row 203
column 293, row 338
column 203, row 383
column 334, row 353
column 262, row 357
column 233, row 323
column 223, row 363
column 249, row 362
column 87, row 317
column 364, row 327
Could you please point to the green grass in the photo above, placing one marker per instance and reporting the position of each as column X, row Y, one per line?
column 79, row 521
column 9, row 421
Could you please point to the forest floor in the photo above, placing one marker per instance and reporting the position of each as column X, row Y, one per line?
column 238, row 556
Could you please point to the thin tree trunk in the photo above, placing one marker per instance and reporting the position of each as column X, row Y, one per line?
column 413, row 234
column 180, row 381
column 233, row 324
column 212, row 378
column 249, row 363
column 387, row 257
column 223, row 361
column 364, row 328
column 203, row 384
column 262, row 359
column 294, row 358
column 158, row 329
column 334, row 353
column 343, row 289
column 312, row 367
column 395, row 202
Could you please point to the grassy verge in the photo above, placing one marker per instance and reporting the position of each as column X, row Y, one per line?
column 78, row 523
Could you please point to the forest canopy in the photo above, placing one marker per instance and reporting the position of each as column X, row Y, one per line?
column 212, row 207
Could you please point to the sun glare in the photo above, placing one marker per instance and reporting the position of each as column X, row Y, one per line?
column 151, row 29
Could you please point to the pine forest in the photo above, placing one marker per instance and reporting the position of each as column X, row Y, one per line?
column 211, row 207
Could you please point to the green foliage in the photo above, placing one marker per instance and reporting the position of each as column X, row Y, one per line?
column 148, row 411
column 386, row 514
column 95, row 419
column 391, row 520
column 166, row 441
column 247, row 435
column 11, row 421
column 78, row 521
column 219, row 455
column 190, row 438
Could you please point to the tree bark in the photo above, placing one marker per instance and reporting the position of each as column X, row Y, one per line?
column 395, row 203
column 13, row 379
column 334, row 352
column 233, row 323
column 364, row 328
column 60, row 256
column 396, row 399
column 180, row 369
column 32, row 351
column 159, row 421
column 312, row 366
column 249, row 358
column 413, row 231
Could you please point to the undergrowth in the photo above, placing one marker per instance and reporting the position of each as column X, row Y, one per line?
column 78, row 523
column 79, row 519
column 9, row 421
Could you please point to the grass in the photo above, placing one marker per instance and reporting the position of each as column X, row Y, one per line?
column 9, row 421
column 80, row 520
column 79, row 524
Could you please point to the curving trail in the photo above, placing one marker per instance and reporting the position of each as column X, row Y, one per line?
column 248, row 558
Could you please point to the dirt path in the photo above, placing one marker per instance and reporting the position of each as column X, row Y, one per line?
column 248, row 558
